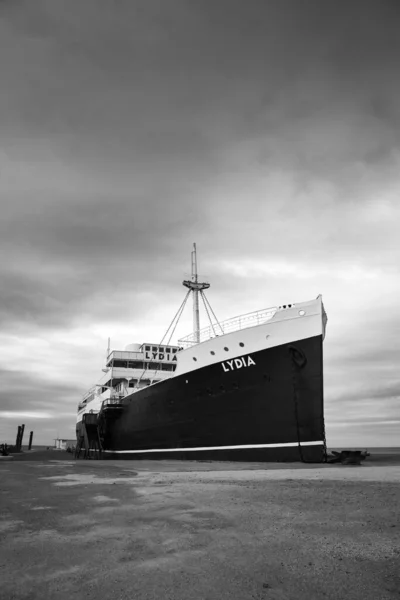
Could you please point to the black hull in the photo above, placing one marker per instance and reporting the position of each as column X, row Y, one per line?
column 268, row 411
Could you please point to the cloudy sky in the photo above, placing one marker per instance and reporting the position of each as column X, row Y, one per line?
column 267, row 131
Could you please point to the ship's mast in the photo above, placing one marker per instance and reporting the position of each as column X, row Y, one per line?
column 195, row 286
column 196, row 312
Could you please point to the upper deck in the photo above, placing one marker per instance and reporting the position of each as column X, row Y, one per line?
column 244, row 321
column 128, row 370
column 143, row 355
column 251, row 319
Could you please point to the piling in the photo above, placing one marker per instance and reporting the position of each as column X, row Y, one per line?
column 18, row 437
column 30, row 440
column 22, row 435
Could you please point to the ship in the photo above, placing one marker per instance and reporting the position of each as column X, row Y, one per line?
column 249, row 388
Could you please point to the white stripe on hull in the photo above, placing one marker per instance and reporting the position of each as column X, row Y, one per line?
column 244, row 447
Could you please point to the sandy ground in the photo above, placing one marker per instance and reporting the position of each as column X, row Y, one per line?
column 170, row 530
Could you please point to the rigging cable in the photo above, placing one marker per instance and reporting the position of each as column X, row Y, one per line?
column 208, row 314
column 178, row 314
column 213, row 313
column 176, row 320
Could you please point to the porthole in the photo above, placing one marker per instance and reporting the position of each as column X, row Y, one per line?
column 226, row 349
column 302, row 313
column 194, row 358
column 267, row 336
column 212, row 352
column 241, row 344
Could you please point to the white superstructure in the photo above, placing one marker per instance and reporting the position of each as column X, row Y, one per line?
column 127, row 371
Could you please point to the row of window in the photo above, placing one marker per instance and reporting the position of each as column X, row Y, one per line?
column 138, row 364
column 127, row 364
column 131, row 384
column 225, row 348
column 161, row 349
column 161, row 366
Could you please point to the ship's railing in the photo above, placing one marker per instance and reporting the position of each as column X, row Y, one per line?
column 235, row 324
column 111, row 401
column 89, row 394
column 203, row 278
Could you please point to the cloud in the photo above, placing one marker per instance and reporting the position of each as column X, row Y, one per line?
column 4, row 414
column 16, row 385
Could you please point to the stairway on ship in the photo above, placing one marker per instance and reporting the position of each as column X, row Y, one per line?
column 89, row 441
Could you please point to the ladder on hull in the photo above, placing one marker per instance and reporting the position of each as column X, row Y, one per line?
column 89, row 440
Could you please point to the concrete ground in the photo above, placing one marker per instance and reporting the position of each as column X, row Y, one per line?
column 198, row 530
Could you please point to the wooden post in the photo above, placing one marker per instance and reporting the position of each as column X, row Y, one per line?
column 30, row 440
column 22, row 435
column 18, row 436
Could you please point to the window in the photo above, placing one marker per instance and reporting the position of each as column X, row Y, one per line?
column 194, row 358
column 212, row 352
column 161, row 349
column 120, row 363
column 154, row 348
column 147, row 348
column 167, row 367
column 226, row 349
column 135, row 364
column 131, row 364
column 241, row 344
column 168, row 349
column 153, row 365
